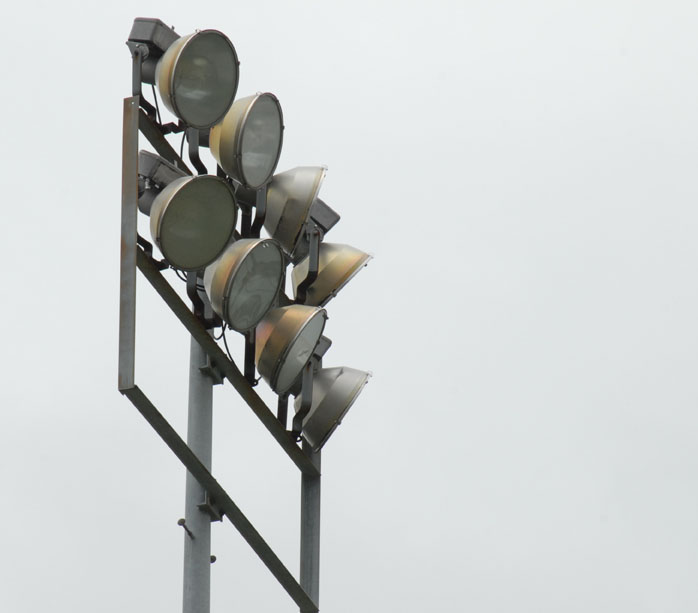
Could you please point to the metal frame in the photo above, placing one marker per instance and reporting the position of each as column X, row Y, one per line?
column 304, row 593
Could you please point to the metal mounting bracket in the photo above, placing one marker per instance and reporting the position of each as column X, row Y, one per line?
column 212, row 371
column 208, row 506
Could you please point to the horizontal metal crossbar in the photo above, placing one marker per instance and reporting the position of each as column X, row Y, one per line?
column 224, row 365
column 220, row 498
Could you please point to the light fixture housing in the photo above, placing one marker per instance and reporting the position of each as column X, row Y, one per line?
column 244, row 282
column 192, row 220
column 334, row 392
column 290, row 195
column 337, row 265
column 247, row 143
column 198, row 77
column 285, row 340
column 154, row 173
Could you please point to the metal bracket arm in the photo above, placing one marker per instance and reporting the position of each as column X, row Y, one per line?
column 260, row 211
column 306, row 399
column 314, row 239
column 193, row 138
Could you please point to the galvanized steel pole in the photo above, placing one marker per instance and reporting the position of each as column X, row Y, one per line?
column 310, row 530
column 197, row 536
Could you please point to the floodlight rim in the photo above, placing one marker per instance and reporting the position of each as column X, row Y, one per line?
column 241, row 133
column 175, row 60
column 171, row 190
column 248, row 248
column 284, row 354
column 240, row 126
column 364, row 261
column 367, row 374
column 318, row 186
column 357, row 392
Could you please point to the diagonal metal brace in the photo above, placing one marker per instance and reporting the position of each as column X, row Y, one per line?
column 223, row 500
column 152, row 132
column 224, row 365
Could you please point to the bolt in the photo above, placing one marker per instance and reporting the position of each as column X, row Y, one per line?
column 183, row 522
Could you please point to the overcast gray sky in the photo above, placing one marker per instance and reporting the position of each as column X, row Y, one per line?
column 524, row 174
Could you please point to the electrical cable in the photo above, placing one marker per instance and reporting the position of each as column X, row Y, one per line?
column 220, row 336
column 225, row 342
column 182, row 277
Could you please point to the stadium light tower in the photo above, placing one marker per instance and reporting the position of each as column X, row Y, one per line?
column 206, row 228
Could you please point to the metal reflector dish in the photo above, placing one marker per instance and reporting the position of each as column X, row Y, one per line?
column 337, row 265
column 198, row 77
column 285, row 340
column 243, row 283
column 192, row 220
column 334, row 391
column 290, row 195
column 247, row 143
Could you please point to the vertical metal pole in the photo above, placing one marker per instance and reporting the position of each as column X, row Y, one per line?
column 129, row 233
column 310, row 530
column 197, row 547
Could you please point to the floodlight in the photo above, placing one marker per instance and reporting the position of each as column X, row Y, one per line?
column 244, row 281
column 285, row 340
column 192, row 220
column 198, row 77
column 290, row 195
column 337, row 265
column 334, row 391
column 247, row 143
